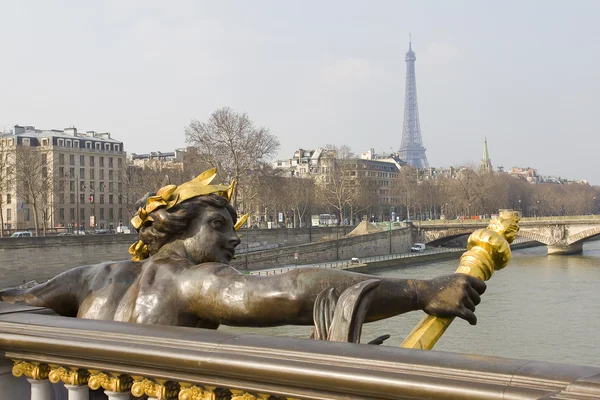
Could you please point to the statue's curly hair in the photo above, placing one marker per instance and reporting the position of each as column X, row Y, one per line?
column 170, row 224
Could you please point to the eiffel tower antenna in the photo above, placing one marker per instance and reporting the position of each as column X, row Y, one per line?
column 411, row 149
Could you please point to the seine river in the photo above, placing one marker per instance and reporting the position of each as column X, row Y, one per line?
column 539, row 307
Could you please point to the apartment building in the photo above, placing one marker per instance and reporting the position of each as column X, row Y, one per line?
column 85, row 178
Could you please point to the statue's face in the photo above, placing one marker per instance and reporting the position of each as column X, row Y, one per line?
column 211, row 237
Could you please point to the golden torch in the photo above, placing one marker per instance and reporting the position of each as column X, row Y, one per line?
column 487, row 250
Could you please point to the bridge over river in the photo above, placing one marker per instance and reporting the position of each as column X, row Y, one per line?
column 562, row 234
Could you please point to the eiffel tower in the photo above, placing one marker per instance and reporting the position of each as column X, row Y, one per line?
column 412, row 150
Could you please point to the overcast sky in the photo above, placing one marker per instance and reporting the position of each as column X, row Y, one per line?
column 524, row 73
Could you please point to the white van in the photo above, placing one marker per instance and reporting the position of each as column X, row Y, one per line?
column 21, row 234
column 418, row 247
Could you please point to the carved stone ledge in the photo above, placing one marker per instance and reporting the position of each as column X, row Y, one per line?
column 71, row 376
column 193, row 392
column 32, row 370
column 159, row 389
column 112, row 381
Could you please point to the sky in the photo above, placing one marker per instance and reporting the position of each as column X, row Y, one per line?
column 523, row 73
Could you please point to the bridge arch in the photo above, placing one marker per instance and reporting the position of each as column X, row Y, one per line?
column 581, row 236
column 533, row 236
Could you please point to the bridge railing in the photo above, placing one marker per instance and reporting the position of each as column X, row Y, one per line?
column 457, row 222
column 164, row 362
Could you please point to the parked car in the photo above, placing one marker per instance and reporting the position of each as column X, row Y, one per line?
column 418, row 247
column 123, row 229
column 102, row 231
column 21, row 234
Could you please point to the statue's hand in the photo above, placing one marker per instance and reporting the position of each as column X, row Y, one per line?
column 451, row 296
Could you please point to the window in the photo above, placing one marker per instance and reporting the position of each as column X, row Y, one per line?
column 101, row 199
column 117, row 147
column 61, row 142
column 61, row 186
column 101, row 174
column 61, row 159
column 72, row 213
column 61, row 172
column 27, row 216
column 120, row 163
column 82, row 185
column 120, row 213
column 102, row 186
column 61, row 213
column 72, row 159
column 110, row 174
column 8, row 214
column 72, row 186
column 97, row 146
column 76, row 144
column 82, row 173
column 92, row 185
column 72, row 198
column 45, row 142
column 61, row 198
column 120, row 186
column 107, row 146
column 111, row 214
column 71, row 172
column 110, row 187
column 101, row 161
column 8, row 199
column 92, row 161
column 92, row 174
column 110, row 162
column 68, row 142
column 88, row 145
column 82, row 160
column 102, row 213
column 82, row 214
column 82, row 198
column 120, row 199
column 110, row 199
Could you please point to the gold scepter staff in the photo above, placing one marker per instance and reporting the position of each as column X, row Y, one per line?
column 487, row 250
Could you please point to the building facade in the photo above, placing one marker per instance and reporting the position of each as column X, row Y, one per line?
column 80, row 175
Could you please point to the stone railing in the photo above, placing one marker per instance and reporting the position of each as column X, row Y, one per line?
column 80, row 358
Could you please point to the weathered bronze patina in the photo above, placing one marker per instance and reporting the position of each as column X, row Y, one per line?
column 180, row 276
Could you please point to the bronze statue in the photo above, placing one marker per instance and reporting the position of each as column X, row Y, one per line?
column 180, row 275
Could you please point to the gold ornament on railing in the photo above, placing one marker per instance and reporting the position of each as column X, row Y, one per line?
column 71, row 376
column 112, row 381
column 33, row 370
column 170, row 195
column 488, row 251
column 158, row 389
column 242, row 395
column 193, row 392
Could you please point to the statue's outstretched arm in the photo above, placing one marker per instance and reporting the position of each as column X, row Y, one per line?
column 219, row 293
column 59, row 293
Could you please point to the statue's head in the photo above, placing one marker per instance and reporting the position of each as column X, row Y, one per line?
column 196, row 213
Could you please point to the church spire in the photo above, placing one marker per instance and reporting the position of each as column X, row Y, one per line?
column 486, row 161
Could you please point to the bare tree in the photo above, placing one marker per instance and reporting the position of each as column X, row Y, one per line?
column 338, row 187
column 231, row 142
column 35, row 177
column 406, row 189
column 7, row 165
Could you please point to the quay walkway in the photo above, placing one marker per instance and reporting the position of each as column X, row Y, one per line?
column 366, row 261
column 388, row 260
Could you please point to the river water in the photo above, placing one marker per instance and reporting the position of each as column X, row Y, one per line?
column 539, row 307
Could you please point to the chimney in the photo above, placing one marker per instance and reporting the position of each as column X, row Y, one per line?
column 71, row 131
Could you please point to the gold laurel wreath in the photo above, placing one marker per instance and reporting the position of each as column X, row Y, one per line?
column 171, row 195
